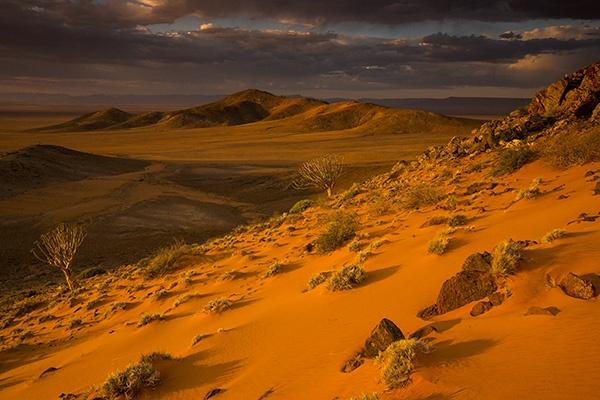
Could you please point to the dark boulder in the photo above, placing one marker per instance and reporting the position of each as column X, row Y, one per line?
column 478, row 262
column 428, row 312
column 463, row 288
column 424, row 331
column 496, row 298
column 480, row 308
column 536, row 310
column 384, row 334
column 576, row 287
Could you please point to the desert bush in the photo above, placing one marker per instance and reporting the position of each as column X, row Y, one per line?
column 228, row 275
column 75, row 323
column 273, row 270
column 354, row 245
column 58, row 247
column 553, row 235
column 217, row 306
column 506, row 257
column 449, row 203
column 397, row 363
column 363, row 255
column 166, row 260
column 351, row 193
column 435, row 220
column 367, row 396
column 145, row 319
column 530, row 192
column 160, row 294
column 341, row 229
column 318, row 279
column 457, row 220
column 439, row 244
column 301, row 206
column 131, row 381
column 421, row 195
column 321, row 173
column 155, row 356
column 572, row 149
column 346, row 278
column 511, row 159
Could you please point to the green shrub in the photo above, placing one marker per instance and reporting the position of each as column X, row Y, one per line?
column 506, row 257
column 130, row 381
column 553, row 235
column 439, row 244
column 166, row 260
column 301, row 206
column 457, row 220
column 317, row 279
column 145, row 319
column 398, row 363
column 346, row 278
column 217, row 306
column 511, row 159
column 421, row 195
column 577, row 148
column 341, row 229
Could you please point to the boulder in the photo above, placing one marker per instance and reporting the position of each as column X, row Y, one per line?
column 478, row 262
column 496, row 298
column 463, row 288
column 576, row 287
column 384, row 334
column 480, row 308
column 428, row 312
column 536, row 310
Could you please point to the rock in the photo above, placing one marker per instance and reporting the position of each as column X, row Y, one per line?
column 213, row 392
column 354, row 362
column 428, row 312
column 422, row 332
column 480, row 307
column 48, row 371
column 535, row 310
column 463, row 288
column 496, row 298
column 478, row 262
column 576, row 287
column 597, row 189
column 381, row 337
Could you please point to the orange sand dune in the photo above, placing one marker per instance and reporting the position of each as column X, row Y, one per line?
column 282, row 342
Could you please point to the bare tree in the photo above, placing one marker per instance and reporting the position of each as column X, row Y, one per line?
column 58, row 247
column 322, row 173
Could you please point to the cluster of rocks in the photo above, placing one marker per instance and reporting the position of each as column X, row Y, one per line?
column 574, row 98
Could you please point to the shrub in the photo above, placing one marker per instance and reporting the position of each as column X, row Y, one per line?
column 341, row 229
column 321, row 173
column 351, row 193
column 217, row 306
column 457, row 220
column 273, row 270
column 506, row 257
column 354, row 246
column 398, row 363
column 435, row 220
column 166, row 260
column 75, row 323
column 421, row 195
column 553, row 235
column 347, row 278
column 301, row 206
column 372, row 396
column 155, row 356
column 439, row 244
column 228, row 276
column 573, row 149
column 531, row 192
column 130, row 381
column 160, row 294
column 511, row 159
column 317, row 279
column 145, row 319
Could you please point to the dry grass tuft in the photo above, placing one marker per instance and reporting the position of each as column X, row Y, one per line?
column 145, row 319
column 341, row 228
column 129, row 382
column 553, row 235
column 511, row 159
column 439, row 244
column 217, row 306
column 572, row 149
column 346, row 278
column 506, row 257
column 318, row 279
column 166, row 260
column 398, row 363
column 531, row 192
column 421, row 195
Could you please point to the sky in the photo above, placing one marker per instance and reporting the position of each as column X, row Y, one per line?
column 319, row 48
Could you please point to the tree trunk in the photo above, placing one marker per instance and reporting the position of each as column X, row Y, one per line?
column 329, row 190
column 69, row 278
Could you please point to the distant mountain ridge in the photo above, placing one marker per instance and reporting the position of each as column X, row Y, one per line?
column 250, row 106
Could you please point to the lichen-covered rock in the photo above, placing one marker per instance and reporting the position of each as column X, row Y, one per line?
column 384, row 334
column 576, row 287
column 463, row 288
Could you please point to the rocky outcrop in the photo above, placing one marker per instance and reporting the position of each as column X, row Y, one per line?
column 577, row 287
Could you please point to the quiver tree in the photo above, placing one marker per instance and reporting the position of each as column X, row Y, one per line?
column 58, row 247
column 321, row 173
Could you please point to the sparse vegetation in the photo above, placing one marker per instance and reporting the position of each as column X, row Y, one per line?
column 318, row 279
column 217, row 306
column 572, row 149
column 531, row 192
column 435, row 220
column 457, row 220
column 58, row 248
column 228, row 276
column 553, row 235
column 351, row 193
column 439, row 244
column 421, row 195
column 75, row 323
column 341, row 229
column 506, row 257
column 321, row 173
column 511, row 159
column 131, row 381
column 198, row 338
column 166, row 260
column 301, row 206
column 145, row 319
column 273, row 270
column 155, row 356
column 367, row 396
column 346, row 278
column 160, row 294
column 397, row 363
